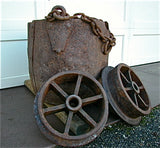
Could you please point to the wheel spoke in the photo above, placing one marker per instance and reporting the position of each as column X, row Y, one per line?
column 87, row 118
column 135, row 98
column 59, row 89
column 53, row 109
column 125, row 78
column 130, row 77
column 128, row 88
column 68, row 123
column 78, row 84
column 142, row 101
column 90, row 100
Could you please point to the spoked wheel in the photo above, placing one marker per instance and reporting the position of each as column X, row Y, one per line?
column 82, row 98
column 126, row 93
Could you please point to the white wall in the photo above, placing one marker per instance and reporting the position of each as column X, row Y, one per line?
column 14, row 18
column 136, row 25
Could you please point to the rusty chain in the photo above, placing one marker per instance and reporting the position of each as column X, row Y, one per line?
column 59, row 13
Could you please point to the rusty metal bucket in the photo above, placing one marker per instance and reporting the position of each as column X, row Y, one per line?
column 62, row 42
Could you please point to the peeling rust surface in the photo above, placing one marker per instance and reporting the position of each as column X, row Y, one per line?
column 78, row 43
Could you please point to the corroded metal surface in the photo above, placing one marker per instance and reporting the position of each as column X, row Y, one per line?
column 108, row 41
column 126, row 93
column 83, row 92
column 59, row 43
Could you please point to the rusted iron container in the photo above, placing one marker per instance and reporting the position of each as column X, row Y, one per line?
column 62, row 42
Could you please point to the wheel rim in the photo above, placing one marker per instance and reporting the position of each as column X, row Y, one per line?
column 127, row 94
column 75, row 104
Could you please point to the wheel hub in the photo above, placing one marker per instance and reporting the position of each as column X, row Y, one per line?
column 74, row 103
column 135, row 87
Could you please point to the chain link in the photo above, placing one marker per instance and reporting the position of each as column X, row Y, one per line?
column 59, row 13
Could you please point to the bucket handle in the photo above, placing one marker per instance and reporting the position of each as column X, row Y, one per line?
column 58, row 12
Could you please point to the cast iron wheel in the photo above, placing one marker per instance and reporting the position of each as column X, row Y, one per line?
column 126, row 93
column 87, row 94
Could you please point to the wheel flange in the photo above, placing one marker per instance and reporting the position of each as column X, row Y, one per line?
column 126, row 93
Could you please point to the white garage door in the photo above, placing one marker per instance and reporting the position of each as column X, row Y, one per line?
column 135, row 24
